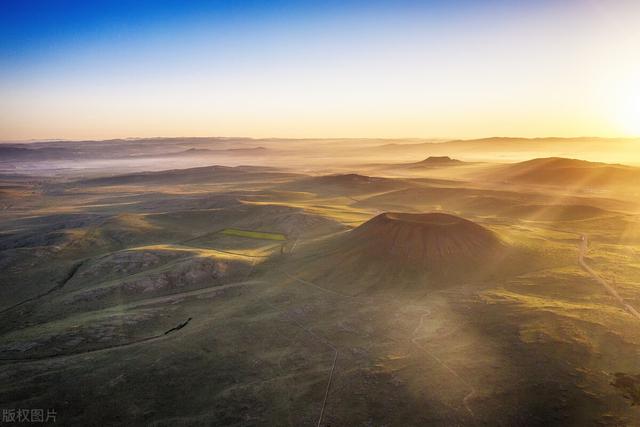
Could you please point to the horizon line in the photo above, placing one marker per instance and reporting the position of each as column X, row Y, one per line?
column 406, row 138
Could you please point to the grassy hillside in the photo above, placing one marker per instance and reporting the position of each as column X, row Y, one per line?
column 568, row 172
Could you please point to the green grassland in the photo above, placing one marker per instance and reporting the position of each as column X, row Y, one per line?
column 286, row 324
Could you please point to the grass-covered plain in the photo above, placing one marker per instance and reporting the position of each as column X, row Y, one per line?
column 247, row 298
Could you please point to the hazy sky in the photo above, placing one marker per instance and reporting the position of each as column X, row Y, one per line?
column 93, row 69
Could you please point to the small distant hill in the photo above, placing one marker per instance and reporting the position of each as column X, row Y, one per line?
column 567, row 172
column 440, row 160
column 436, row 162
column 431, row 162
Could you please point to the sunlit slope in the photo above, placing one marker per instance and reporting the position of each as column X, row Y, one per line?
column 466, row 200
column 568, row 172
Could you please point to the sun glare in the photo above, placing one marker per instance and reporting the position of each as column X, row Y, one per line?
column 627, row 107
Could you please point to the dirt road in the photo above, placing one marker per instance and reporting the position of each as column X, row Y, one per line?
column 584, row 242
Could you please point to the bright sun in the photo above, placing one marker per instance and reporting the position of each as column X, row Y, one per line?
column 627, row 108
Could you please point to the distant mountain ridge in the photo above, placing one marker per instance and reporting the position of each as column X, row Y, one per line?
column 214, row 173
column 508, row 147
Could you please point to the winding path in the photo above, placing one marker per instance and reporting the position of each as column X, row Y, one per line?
column 610, row 289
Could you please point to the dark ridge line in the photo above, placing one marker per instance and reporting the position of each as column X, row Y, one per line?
column 179, row 326
column 72, row 272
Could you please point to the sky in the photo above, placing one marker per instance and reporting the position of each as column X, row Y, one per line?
column 384, row 69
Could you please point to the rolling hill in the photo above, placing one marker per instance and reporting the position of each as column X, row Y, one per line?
column 431, row 162
column 567, row 172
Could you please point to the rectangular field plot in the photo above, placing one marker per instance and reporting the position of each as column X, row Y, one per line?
column 253, row 234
